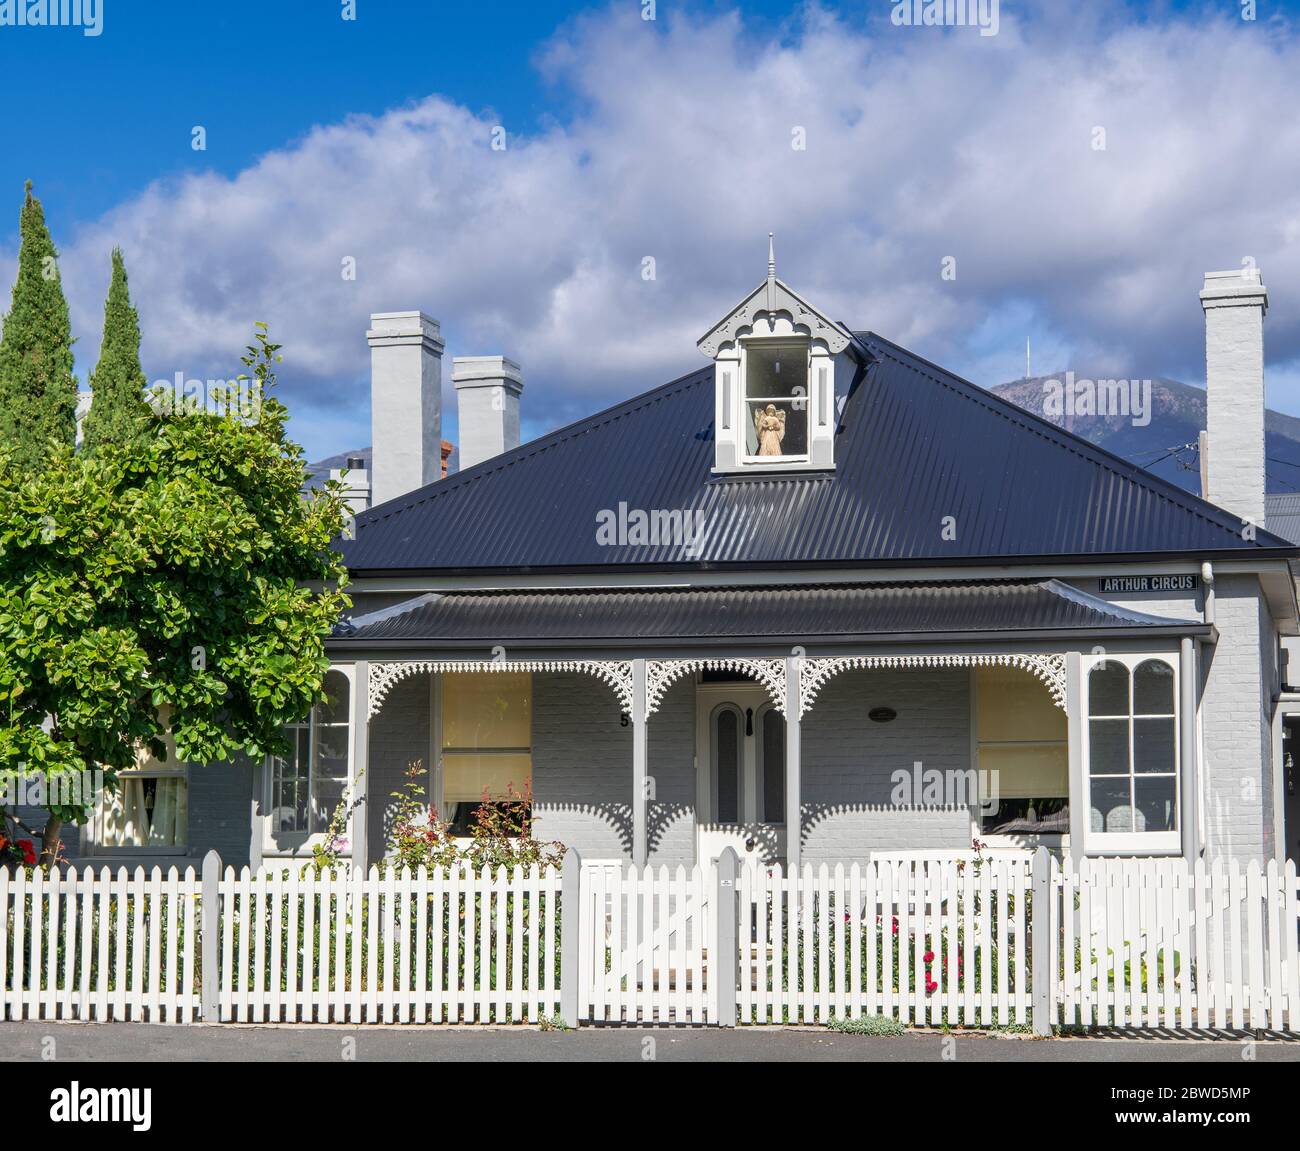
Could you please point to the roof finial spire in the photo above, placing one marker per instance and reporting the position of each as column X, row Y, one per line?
column 771, row 273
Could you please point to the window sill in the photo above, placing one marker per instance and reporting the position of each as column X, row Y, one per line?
column 764, row 469
column 1134, row 844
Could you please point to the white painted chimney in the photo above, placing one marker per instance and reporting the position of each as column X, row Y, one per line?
column 405, row 402
column 487, row 404
column 1234, row 304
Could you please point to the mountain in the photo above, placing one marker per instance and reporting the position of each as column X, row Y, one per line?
column 1167, row 445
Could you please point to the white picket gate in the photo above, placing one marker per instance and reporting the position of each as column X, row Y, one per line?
column 1157, row 944
column 928, row 942
column 645, row 941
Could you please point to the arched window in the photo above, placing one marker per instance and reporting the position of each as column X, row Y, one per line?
column 1132, row 749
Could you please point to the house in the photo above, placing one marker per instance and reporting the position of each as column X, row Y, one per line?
column 818, row 599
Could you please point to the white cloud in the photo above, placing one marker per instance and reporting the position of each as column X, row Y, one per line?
column 921, row 144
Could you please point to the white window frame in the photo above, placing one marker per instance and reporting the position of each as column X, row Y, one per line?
column 301, row 843
column 1131, row 842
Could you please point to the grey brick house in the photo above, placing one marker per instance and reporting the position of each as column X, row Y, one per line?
column 819, row 599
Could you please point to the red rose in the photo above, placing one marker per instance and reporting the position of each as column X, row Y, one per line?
column 928, row 957
column 29, row 852
column 931, row 987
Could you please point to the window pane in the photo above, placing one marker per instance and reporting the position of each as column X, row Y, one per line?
column 1156, row 804
column 1153, row 688
column 773, row 767
column 777, row 428
column 1108, row 746
column 487, row 710
column 726, row 750
column 466, row 777
column 333, row 708
column 1111, row 806
column 149, row 811
column 1011, row 704
column 1024, row 771
column 773, row 371
column 1153, row 745
column 1108, row 689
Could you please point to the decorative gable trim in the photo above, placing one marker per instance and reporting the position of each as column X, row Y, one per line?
column 771, row 298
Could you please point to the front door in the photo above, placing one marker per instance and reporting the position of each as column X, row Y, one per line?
column 740, row 773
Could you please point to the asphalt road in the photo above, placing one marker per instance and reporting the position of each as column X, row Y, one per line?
column 131, row 1042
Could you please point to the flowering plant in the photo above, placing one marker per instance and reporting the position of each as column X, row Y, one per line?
column 19, row 851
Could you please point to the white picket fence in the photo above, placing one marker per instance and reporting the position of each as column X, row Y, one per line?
column 1162, row 945
column 932, row 942
column 926, row 942
column 97, row 945
column 448, row 946
column 289, row 945
column 645, row 939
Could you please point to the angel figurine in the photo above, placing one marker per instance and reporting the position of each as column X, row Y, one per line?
column 770, row 425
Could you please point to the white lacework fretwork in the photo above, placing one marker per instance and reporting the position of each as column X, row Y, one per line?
column 661, row 674
column 814, row 673
column 385, row 675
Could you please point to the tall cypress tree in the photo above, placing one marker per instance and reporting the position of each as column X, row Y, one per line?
column 38, row 392
column 118, row 413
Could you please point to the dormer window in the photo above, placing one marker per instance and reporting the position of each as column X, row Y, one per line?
column 774, row 357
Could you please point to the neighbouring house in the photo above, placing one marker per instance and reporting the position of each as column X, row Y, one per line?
column 819, row 600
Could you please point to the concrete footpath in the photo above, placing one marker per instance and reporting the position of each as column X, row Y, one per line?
column 132, row 1042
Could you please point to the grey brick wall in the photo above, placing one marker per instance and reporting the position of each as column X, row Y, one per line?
column 582, row 770
column 399, row 734
column 582, row 766
column 848, row 759
column 671, row 745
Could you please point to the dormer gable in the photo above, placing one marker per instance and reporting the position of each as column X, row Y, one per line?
column 774, row 380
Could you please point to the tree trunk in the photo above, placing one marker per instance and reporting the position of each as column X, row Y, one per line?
column 50, row 842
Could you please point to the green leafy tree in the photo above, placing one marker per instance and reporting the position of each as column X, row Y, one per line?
column 38, row 392
column 118, row 413
column 186, row 586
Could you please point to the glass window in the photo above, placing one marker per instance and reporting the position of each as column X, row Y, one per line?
column 149, row 809
column 1022, row 753
column 773, row 787
column 1132, row 748
column 776, row 398
column 307, row 785
column 726, row 766
column 487, row 729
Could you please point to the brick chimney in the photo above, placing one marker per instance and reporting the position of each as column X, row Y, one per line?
column 405, row 402
column 1234, row 303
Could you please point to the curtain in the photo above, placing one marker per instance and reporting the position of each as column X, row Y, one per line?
column 127, row 820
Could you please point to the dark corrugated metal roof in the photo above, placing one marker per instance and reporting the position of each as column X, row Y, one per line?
column 755, row 614
column 915, row 445
column 1282, row 515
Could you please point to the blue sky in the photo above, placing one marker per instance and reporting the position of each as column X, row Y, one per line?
column 329, row 139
